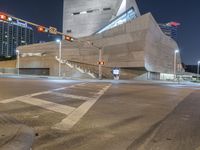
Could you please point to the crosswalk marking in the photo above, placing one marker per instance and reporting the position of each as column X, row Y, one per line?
column 39, row 93
column 78, row 113
column 47, row 105
column 71, row 96
column 10, row 100
column 73, row 114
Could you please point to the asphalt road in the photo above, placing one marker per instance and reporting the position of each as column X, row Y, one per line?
column 89, row 115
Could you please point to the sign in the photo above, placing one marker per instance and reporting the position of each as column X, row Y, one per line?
column 116, row 71
column 53, row 30
column 23, row 24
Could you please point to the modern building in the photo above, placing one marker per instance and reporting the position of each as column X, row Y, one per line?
column 170, row 29
column 84, row 17
column 12, row 35
column 129, row 41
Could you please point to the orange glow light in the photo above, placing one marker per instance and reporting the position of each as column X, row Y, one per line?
column 3, row 17
column 41, row 29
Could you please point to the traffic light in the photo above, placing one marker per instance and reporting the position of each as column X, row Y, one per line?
column 101, row 62
column 3, row 16
column 69, row 38
column 42, row 29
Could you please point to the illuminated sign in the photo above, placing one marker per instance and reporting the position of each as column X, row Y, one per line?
column 116, row 71
column 24, row 24
column 174, row 24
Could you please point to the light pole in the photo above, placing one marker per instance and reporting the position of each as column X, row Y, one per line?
column 17, row 51
column 175, row 62
column 198, row 69
column 60, row 56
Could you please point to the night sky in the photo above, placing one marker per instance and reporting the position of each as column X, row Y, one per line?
column 187, row 12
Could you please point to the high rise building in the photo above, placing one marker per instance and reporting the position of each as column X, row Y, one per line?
column 86, row 17
column 170, row 29
column 13, row 34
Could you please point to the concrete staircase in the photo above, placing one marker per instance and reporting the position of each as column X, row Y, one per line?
column 74, row 69
column 91, row 71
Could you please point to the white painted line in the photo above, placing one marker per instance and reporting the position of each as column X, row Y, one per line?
column 78, row 113
column 47, row 105
column 10, row 100
column 87, row 88
column 72, row 96
column 36, row 94
column 40, row 93
column 60, row 89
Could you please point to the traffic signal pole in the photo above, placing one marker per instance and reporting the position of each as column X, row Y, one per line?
column 30, row 23
column 46, row 29
column 100, row 64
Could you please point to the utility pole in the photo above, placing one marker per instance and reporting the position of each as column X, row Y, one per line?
column 100, row 63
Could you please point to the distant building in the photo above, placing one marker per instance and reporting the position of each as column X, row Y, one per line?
column 191, row 68
column 170, row 29
column 13, row 34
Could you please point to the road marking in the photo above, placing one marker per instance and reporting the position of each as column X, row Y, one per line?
column 47, row 105
column 72, row 96
column 73, row 114
column 10, row 100
column 77, row 114
column 36, row 94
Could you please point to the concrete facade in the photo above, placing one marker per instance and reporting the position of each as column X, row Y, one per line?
column 84, row 17
column 136, row 47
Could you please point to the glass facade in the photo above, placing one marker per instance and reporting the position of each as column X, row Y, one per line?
column 123, row 18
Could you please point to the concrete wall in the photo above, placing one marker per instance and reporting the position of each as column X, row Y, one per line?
column 159, row 49
column 8, row 67
column 83, row 25
column 8, row 64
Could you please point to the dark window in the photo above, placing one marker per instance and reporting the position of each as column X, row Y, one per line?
column 105, row 9
column 89, row 11
column 76, row 13
column 69, row 31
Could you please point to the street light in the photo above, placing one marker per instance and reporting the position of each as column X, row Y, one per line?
column 60, row 53
column 198, row 69
column 175, row 62
column 17, row 51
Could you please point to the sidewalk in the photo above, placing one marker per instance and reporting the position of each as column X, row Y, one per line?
column 14, row 135
column 97, row 80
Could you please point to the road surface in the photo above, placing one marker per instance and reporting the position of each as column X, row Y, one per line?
column 96, row 115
